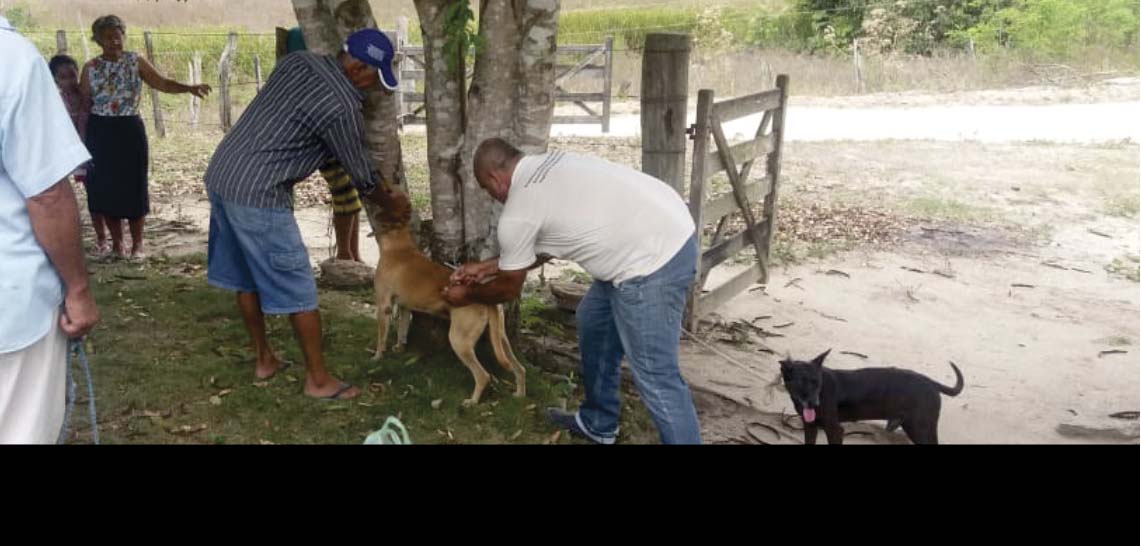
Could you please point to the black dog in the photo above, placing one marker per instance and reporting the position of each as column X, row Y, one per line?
column 902, row 397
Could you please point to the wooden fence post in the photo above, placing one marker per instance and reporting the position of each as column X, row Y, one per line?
column 665, row 89
column 772, row 165
column 83, row 39
column 697, row 199
column 160, row 126
column 608, row 79
column 61, row 42
column 195, row 79
column 401, row 41
column 225, row 65
column 281, row 42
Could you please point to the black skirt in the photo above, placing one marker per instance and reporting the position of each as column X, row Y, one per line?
column 117, row 177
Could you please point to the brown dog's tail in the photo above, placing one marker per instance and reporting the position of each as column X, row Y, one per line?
column 497, row 331
column 951, row 391
column 503, row 354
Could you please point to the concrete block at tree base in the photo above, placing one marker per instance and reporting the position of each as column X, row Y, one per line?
column 568, row 294
column 346, row 273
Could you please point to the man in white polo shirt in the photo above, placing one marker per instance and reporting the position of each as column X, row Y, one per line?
column 40, row 246
column 634, row 235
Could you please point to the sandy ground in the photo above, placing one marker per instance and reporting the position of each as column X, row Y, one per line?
column 1105, row 112
column 1041, row 215
column 1101, row 112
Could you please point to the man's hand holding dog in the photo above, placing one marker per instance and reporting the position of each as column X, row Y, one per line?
column 456, row 295
column 475, row 272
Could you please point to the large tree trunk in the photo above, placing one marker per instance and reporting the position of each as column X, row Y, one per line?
column 326, row 24
column 491, row 113
column 444, row 88
column 511, row 97
column 539, row 21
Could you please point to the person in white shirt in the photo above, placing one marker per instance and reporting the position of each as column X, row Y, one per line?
column 41, row 252
column 634, row 235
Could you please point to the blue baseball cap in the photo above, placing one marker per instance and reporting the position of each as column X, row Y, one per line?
column 372, row 47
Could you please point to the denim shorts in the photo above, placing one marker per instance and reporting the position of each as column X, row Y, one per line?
column 260, row 250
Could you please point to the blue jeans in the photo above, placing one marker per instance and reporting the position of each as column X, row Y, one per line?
column 641, row 320
column 260, row 250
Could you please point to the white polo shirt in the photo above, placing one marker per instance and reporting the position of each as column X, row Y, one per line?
column 616, row 222
column 38, row 147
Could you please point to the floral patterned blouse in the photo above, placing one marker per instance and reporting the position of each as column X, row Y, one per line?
column 116, row 86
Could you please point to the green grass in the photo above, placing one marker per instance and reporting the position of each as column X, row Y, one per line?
column 787, row 252
column 628, row 25
column 1124, row 206
column 1117, row 341
column 1126, row 267
column 947, row 209
column 731, row 39
column 172, row 365
column 535, row 317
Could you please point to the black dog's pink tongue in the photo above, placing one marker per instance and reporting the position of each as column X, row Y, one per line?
column 809, row 415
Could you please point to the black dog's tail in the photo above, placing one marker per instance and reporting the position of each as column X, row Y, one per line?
column 951, row 391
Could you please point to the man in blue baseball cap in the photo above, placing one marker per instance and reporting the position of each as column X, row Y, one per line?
column 372, row 47
column 308, row 114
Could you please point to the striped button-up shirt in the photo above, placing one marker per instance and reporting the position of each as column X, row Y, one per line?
column 307, row 113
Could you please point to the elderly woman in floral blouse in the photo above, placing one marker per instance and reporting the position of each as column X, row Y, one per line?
column 112, row 85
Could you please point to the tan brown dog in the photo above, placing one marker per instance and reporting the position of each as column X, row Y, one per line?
column 417, row 283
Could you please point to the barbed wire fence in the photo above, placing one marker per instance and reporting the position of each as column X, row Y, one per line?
column 234, row 64
column 237, row 64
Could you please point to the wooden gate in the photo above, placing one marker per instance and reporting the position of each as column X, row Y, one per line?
column 736, row 160
column 595, row 61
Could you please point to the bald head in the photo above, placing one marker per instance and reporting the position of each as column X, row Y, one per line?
column 494, row 154
column 493, row 164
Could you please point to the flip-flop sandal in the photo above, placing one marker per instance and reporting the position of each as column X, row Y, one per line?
column 337, row 395
column 285, row 364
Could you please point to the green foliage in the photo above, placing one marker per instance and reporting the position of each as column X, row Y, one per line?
column 629, row 26
column 462, row 37
column 1050, row 29
column 20, row 15
column 1060, row 29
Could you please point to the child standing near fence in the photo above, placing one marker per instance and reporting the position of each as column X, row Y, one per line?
column 66, row 73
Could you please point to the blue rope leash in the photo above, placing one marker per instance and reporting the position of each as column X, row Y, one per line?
column 75, row 346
